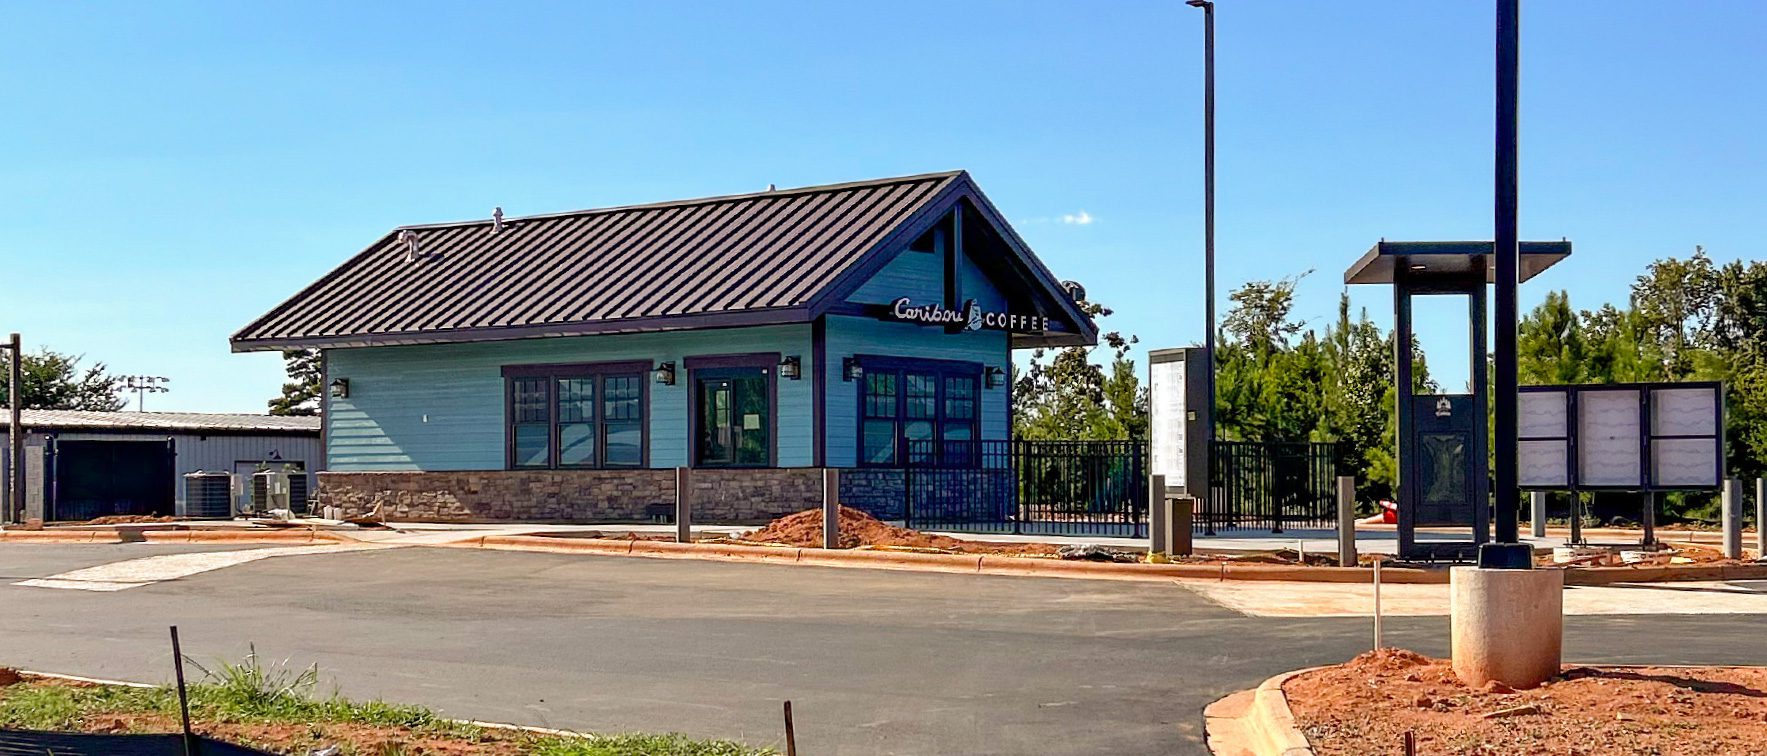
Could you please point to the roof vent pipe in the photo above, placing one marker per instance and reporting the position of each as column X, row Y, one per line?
column 409, row 239
column 497, row 220
column 772, row 188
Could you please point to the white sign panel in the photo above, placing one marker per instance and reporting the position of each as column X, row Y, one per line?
column 1686, row 444
column 1630, row 437
column 1609, row 436
column 1167, row 415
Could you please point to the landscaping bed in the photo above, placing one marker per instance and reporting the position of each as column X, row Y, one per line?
column 273, row 710
column 1368, row 704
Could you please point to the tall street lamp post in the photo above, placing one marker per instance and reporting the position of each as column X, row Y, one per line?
column 15, row 432
column 1507, row 253
column 1208, row 211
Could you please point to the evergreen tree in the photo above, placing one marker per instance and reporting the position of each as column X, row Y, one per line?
column 52, row 380
column 300, row 394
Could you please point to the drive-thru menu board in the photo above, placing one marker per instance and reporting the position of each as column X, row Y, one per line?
column 1630, row 437
column 1178, row 417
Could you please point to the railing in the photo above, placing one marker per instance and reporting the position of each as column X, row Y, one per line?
column 1270, row 485
column 1028, row 487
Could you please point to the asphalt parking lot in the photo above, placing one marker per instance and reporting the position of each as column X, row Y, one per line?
column 874, row 661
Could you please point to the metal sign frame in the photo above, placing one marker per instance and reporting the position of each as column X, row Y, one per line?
column 1575, row 398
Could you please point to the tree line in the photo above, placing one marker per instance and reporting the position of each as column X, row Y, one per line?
column 1281, row 379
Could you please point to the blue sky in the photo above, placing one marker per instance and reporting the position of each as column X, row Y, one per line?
column 172, row 170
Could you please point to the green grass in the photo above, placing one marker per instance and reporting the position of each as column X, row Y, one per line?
column 251, row 692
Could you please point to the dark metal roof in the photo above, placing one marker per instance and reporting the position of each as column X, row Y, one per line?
column 1378, row 265
column 768, row 257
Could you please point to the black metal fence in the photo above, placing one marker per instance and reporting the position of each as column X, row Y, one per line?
column 1028, row 487
column 1270, row 485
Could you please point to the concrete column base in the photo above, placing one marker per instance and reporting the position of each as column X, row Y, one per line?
column 1507, row 625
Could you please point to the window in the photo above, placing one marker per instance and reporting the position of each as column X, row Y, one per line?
column 576, row 416
column 733, row 416
column 919, row 413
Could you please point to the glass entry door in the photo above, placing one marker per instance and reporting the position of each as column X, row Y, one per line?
column 734, row 423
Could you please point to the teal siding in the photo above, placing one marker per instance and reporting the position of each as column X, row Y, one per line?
column 920, row 276
column 973, row 284
column 440, row 406
column 848, row 336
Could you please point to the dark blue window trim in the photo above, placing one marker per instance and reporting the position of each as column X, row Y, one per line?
column 943, row 372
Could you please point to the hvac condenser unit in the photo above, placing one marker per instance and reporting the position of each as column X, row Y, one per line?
column 208, row 494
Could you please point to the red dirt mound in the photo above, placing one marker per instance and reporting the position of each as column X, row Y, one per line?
column 1368, row 704
column 127, row 520
column 857, row 529
column 9, row 676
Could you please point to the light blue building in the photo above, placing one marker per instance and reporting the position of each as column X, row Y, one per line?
column 559, row 367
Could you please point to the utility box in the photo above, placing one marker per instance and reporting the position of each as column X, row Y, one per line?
column 207, row 493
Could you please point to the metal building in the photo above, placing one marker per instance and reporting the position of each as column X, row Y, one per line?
column 80, row 465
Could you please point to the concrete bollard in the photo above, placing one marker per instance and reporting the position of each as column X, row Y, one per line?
column 1346, row 521
column 1732, row 504
column 683, row 505
column 831, row 508
column 1537, row 513
column 1159, row 516
column 1506, row 625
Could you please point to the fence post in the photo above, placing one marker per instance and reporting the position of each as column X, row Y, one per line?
column 683, row 505
column 1537, row 513
column 1159, row 531
column 1761, row 519
column 1346, row 521
column 831, row 508
column 1732, row 518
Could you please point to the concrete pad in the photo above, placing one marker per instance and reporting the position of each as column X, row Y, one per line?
column 1272, row 599
column 134, row 573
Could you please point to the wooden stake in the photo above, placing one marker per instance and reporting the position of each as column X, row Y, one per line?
column 791, row 737
column 183, row 698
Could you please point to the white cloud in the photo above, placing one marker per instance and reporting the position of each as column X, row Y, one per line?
column 1081, row 218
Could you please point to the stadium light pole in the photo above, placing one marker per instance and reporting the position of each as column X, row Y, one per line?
column 1208, row 209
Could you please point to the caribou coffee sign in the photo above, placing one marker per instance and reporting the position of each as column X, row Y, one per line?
column 969, row 318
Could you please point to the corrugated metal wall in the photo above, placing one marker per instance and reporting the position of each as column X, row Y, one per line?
column 228, row 453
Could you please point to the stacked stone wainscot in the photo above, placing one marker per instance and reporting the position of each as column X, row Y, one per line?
column 572, row 496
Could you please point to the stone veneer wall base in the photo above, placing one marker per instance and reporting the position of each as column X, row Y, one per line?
column 572, row 496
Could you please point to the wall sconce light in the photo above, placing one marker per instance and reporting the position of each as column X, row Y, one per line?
column 340, row 388
column 851, row 370
column 665, row 373
column 996, row 377
column 791, row 368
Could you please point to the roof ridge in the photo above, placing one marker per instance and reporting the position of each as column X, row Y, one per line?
column 793, row 191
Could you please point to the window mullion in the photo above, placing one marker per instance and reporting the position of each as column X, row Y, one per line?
column 552, row 420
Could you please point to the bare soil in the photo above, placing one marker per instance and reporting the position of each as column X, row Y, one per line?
column 857, row 529
column 1367, row 705
column 1685, row 554
column 127, row 520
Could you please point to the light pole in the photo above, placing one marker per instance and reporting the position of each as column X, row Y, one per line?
column 143, row 385
column 1208, row 212
column 15, row 433
column 1507, row 253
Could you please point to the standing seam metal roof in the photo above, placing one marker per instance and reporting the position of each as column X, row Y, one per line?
column 727, row 256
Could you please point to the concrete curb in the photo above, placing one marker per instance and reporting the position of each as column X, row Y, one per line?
column 173, row 536
column 1006, row 565
column 1261, row 725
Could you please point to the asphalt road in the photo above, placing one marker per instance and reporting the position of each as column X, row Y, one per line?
column 874, row 662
